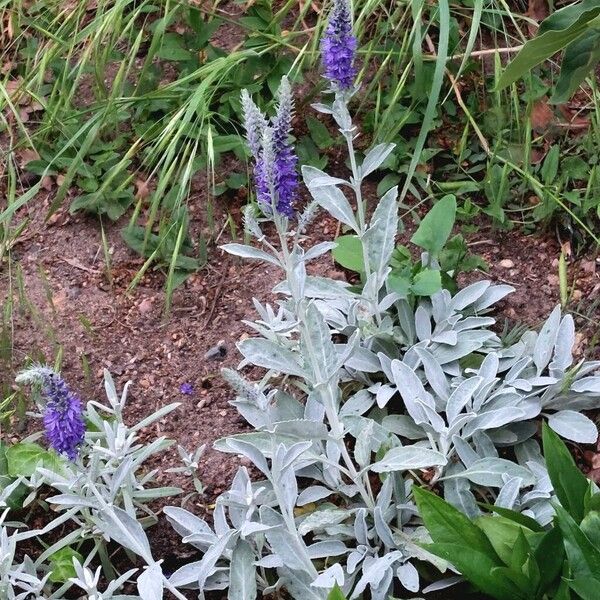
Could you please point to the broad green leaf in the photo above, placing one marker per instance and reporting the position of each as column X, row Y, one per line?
column 23, row 458
column 586, row 588
column 550, row 165
column 61, row 564
column 550, row 556
column 447, row 525
column 584, row 557
column 349, row 254
column 515, row 516
column 502, row 534
column 570, row 484
column 436, row 227
column 580, row 58
column 426, row 282
column 555, row 33
column 319, row 133
column 591, row 527
column 336, row 594
column 479, row 569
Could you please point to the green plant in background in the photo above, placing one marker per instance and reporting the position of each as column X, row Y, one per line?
column 574, row 29
column 443, row 258
column 510, row 556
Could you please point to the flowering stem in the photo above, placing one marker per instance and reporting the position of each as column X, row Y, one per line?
column 330, row 391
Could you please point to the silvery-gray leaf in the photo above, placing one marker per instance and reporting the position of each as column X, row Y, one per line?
column 364, row 360
column 122, row 528
column 298, row 584
column 270, row 562
column 356, row 425
column 409, row 457
column 468, row 342
column 375, row 158
column 357, row 404
column 211, row 557
column 563, row 348
column 313, row 493
column 384, row 393
column 411, row 389
column 382, row 528
column 491, row 471
column 242, row 573
column 422, row 323
column 374, row 570
column 546, row 341
column 361, row 530
column 286, row 484
column 362, row 448
column 493, row 419
column 460, row 397
column 318, row 250
column 267, row 354
column 300, row 430
column 322, row 108
column 249, row 451
column 321, row 518
column 484, row 445
column 574, row 426
column 381, row 235
column 250, row 252
column 251, row 527
column 587, row 385
column 469, row 295
column 442, row 584
column 291, row 550
column 342, row 116
column 68, row 500
column 326, row 549
column 408, row 576
column 474, row 323
column 328, row 578
column 330, row 197
column 403, row 426
column 492, row 295
column 318, row 347
column 457, row 492
column 509, row 493
column 185, row 523
column 435, row 376
column 355, row 558
column 150, row 583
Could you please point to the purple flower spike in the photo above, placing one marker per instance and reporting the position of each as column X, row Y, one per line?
column 186, row 388
column 338, row 47
column 285, row 159
column 274, row 156
column 63, row 416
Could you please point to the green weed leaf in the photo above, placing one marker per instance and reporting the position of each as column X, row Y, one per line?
column 436, row 227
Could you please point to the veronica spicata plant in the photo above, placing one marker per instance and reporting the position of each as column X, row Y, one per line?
column 102, row 489
column 367, row 393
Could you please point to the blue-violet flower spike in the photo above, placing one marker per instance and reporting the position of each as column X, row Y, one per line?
column 338, row 47
column 286, row 176
column 63, row 416
column 275, row 160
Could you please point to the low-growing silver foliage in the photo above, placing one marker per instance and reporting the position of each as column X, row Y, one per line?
column 367, row 393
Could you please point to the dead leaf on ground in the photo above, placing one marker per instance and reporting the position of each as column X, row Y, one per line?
column 538, row 10
column 575, row 119
column 541, row 115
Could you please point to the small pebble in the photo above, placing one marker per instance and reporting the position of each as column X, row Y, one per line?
column 506, row 263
